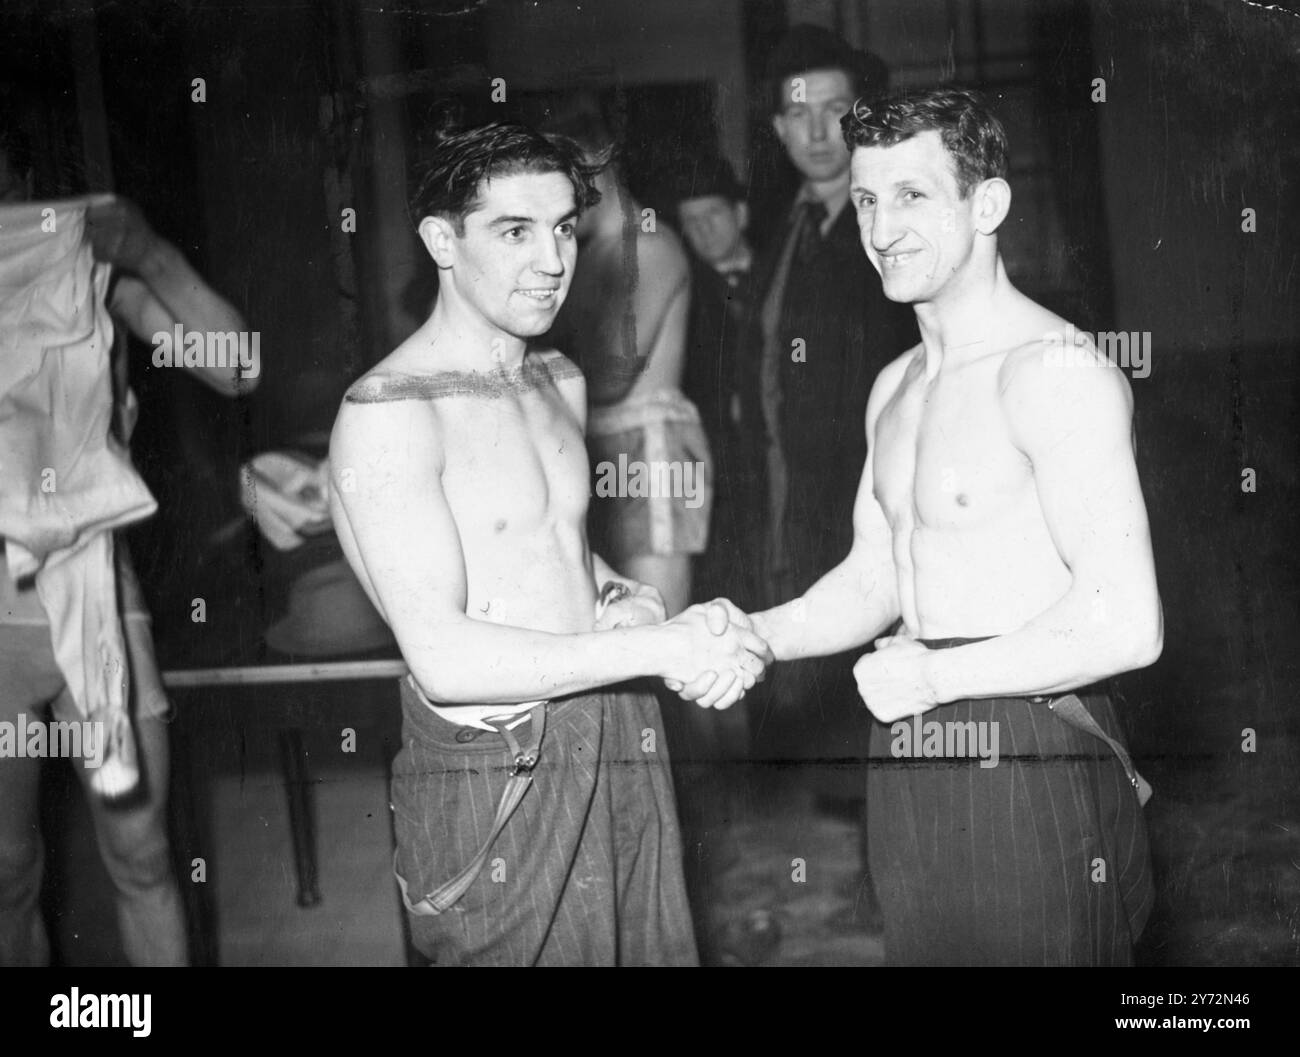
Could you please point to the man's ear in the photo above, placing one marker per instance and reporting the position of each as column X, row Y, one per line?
column 992, row 203
column 439, row 237
column 742, row 216
column 779, row 127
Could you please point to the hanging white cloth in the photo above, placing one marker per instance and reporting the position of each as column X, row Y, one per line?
column 65, row 481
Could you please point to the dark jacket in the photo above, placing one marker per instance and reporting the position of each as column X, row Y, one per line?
column 712, row 380
column 833, row 301
column 712, row 374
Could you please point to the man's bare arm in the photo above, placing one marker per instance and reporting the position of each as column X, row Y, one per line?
column 161, row 289
column 1075, row 425
column 661, row 305
column 399, row 533
column 858, row 599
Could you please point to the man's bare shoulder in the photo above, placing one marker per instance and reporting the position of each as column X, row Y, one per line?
column 1057, row 379
column 1059, row 357
column 891, row 375
column 661, row 253
column 385, row 410
column 387, row 382
column 391, row 384
column 558, row 366
column 887, row 383
column 567, row 379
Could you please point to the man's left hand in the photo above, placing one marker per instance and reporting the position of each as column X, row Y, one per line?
column 645, row 605
column 893, row 681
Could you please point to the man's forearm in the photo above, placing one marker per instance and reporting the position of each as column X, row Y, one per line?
column 184, row 293
column 474, row 662
column 844, row 609
column 1067, row 647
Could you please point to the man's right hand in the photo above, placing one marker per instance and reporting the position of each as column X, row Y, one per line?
column 718, row 659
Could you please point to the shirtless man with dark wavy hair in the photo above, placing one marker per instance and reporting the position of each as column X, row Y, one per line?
column 533, row 804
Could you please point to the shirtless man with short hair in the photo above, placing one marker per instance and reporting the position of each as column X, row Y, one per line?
column 460, row 491
column 1001, row 518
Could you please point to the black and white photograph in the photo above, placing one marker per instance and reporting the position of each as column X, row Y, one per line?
column 723, row 483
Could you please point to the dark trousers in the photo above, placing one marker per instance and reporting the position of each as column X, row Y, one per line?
column 1039, row 860
column 589, row 869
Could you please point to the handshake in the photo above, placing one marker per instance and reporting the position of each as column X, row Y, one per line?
column 723, row 656
column 709, row 654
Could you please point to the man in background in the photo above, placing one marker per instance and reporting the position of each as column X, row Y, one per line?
column 625, row 325
column 714, row 217
column 153, row 290
column 820, row 332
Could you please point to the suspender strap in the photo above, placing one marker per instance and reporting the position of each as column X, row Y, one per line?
column 525, row 757
column 1072, row 710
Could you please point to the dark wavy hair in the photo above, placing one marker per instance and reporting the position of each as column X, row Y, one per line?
column 449, row 183
column 970, row 132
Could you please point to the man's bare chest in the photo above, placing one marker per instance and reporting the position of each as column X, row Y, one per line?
column 511, row 464
column 942, row 454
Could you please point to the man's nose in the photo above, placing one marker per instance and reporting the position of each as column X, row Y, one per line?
column 821, row 128
column 548, row 259
column 884, row 229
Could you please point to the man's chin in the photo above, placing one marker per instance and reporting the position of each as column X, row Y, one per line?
column 900, row 292
column 822, row 172
column 535, row 326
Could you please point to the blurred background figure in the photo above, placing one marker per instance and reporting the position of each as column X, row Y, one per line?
column 714, row 217
column 625, row 325
column 153, row 289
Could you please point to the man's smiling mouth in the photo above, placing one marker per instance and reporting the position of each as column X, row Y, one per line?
column 894, row 261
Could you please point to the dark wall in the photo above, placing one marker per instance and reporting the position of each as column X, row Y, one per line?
column 239, row 182
column 1199, row 124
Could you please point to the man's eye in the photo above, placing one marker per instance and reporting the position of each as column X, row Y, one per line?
column 514, row 234
column 912, row 196
column 565, row 230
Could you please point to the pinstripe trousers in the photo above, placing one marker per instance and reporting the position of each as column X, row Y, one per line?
column 589, row 869
column 1039, row 860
